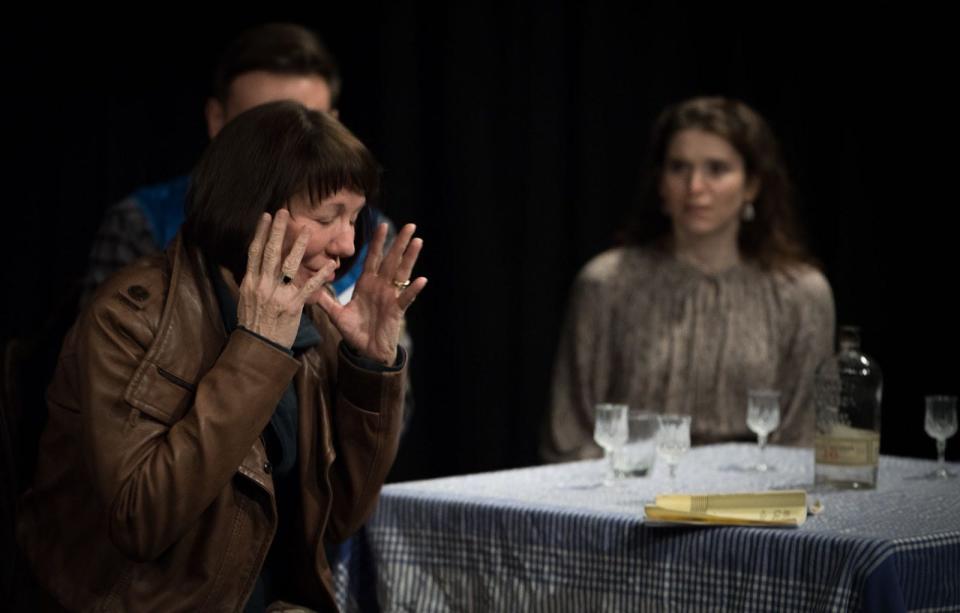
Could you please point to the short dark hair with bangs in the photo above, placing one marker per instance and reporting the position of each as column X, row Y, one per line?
column 259, row 162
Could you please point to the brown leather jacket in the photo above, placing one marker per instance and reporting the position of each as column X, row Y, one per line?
column 153, row 490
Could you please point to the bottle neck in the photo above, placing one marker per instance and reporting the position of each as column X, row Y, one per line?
column 849, row 338
column 849, row 345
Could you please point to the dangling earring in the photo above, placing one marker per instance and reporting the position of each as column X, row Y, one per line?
column 747, row 213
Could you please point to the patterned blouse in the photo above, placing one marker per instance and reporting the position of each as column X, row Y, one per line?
column 648, row 330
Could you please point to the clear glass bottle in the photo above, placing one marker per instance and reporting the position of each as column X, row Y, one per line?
column 849, row 386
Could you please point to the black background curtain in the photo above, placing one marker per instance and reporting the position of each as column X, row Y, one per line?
column 513, row 135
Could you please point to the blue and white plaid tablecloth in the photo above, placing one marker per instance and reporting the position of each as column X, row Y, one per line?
column 552, row 538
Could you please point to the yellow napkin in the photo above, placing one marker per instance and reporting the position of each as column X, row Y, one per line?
column 780, row 508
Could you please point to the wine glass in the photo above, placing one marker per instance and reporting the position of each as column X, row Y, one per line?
column 610, row 432
column 763, row 417
column 636, row 457
column 940, row 423
column 673, row 439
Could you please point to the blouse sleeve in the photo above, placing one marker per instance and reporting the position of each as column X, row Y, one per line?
column 810, row 343
column 580, row 374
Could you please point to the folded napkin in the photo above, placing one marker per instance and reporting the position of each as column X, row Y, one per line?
column 779, row 508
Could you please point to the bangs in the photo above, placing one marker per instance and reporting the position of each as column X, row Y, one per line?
column 338, row 161
column 362, row 178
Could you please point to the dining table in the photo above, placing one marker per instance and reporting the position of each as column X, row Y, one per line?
column 561, row 537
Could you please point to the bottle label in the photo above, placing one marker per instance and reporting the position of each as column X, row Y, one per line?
column 863, row 449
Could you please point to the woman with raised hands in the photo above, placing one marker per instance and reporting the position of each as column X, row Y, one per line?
column 217, row 419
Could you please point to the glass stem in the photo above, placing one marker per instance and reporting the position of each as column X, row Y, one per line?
column 941, row 453
column 673, row 470
column 608, row 458
column 762, row 441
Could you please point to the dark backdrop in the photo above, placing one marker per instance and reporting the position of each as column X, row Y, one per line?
column 513, row 136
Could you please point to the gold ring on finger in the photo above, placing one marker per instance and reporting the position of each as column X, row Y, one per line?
column 401, row 285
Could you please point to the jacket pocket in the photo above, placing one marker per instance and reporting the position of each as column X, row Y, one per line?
column 161, row 394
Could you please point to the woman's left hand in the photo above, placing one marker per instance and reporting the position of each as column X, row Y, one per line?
column 371, row 322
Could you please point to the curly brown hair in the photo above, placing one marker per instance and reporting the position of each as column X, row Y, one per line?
column 772, row 239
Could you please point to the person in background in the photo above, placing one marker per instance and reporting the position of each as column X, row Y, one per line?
column 217, row 419
column 711, row 294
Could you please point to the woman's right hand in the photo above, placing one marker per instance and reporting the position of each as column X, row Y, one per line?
column 267, row 305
